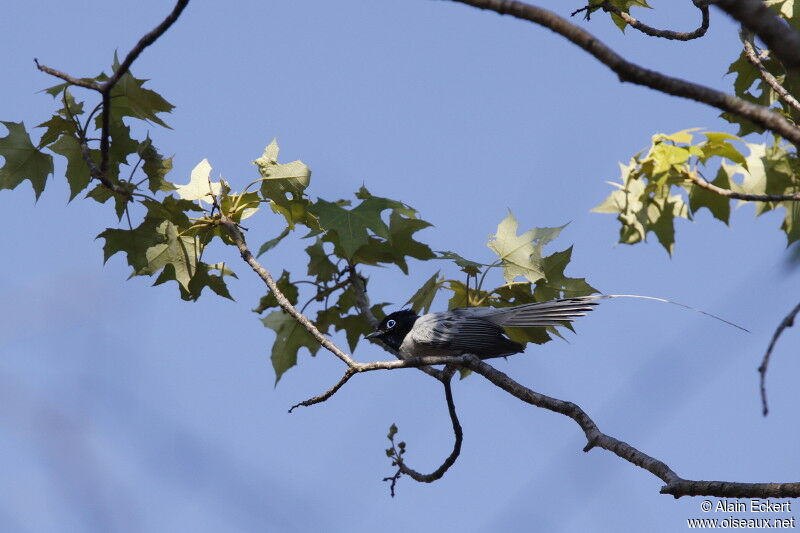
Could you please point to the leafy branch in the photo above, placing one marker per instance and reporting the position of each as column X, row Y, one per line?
column 171, row 244
column 622, row 18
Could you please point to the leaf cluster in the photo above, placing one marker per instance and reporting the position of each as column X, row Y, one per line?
column 660, row 184
column 166, row 228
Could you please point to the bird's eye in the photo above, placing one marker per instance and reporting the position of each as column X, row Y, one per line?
column 390, row 324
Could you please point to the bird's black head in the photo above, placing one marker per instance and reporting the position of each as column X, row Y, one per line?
column 394, row 328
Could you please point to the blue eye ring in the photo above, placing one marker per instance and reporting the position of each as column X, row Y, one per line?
column 390, row 324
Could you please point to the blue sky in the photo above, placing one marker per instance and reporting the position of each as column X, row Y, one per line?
column 123, row 408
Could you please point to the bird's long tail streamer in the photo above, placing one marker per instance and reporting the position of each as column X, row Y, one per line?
column 673, row 303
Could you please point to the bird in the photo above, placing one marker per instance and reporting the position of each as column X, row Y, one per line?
column 479, row 330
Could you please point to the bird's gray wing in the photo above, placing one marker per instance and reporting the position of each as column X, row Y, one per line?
column 550, row 313
column 459, row 331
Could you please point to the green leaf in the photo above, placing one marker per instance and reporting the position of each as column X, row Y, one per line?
column 155, row 167
column 319, row 265
column 791, row 222
column 288, row 289
column 472, row 268
column 290, row 337
column 200, row 187
column 134, row 243
column 542, row 236
column 23, row 161
column 78, row 175
column 350, row 226
column 719, row 206
column 178, row 252
column 121, row 145
column 130, row 99
column 204, row 278
column 272, row 243
column 56, row 126
column 102, row 194
column 556, row 284
column 422, row 299
column 519, row 255
column 283, row 184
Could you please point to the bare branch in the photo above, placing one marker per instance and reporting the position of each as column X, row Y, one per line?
column 630, row 72
column 675, row 485
column 664, row 34
column 349, row 373
column 766, row 75
column 727, row 193
column 144, row 42
column 782, row 40
column 88, row 84
column 787, row 322
column 402, row 468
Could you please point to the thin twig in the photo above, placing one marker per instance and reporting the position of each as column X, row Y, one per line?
column 459, row 439
column 727, row 193
column 88, row 84
column 664, row 34
column 630, row 72
column 145, row 41
column 349, row 373
column 766, row 75
column 787, row 322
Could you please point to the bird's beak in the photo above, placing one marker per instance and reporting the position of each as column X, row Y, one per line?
column 374, row 334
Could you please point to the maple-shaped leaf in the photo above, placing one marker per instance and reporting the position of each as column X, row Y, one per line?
column 23, row 161
column 422, row 300
column 56, row 126
column 319, row 265
column 472, row 268
column 350, row 225
column 172, row 209
column 134, row 242
column 121, row 145
column 199, row 187
column 719, row 205
column 288, row 289
column 155, row 167
column 78, row 175
column 130, row 99
column 290, row 336
column 176, row 254
column 519, row 255
column 283, row 184
column 555, row 283
column 203, row 278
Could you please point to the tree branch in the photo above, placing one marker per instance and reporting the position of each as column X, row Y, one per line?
column 664, row 34
column 630, row 72
column 782, row 40
column 148, row 39
column 675, row 485
column 105, row 88
column 727, row 193
column 402, row 468
column 787, row 322
column 766, row 75
column 88, row 84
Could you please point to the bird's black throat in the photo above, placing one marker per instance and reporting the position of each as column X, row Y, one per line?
column 403, row 322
